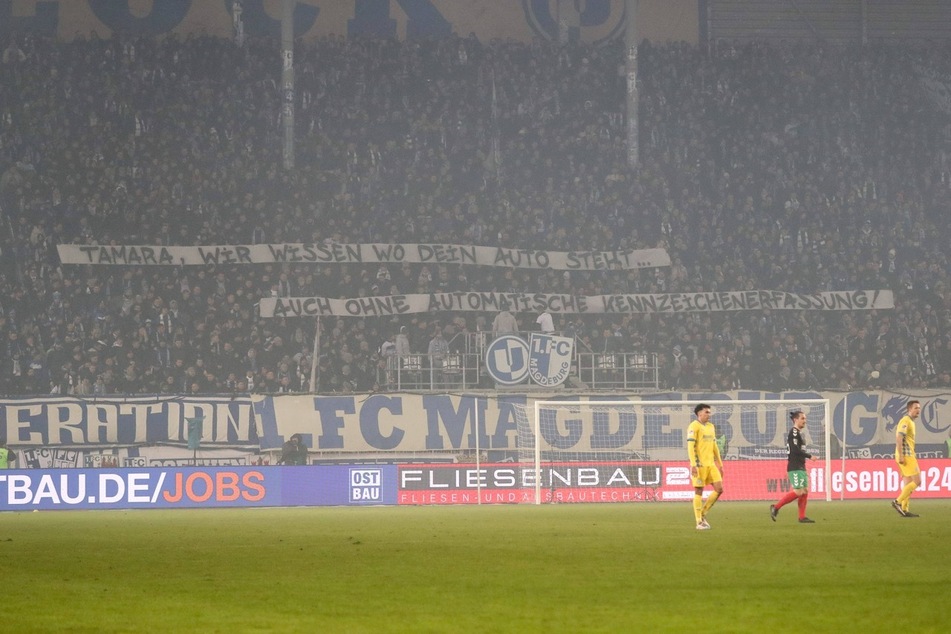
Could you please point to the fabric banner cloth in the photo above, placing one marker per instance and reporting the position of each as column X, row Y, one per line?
column 664, row 303
column 440, row 424
column 336, row 253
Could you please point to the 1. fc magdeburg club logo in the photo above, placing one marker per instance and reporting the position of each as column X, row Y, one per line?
column 593, row 21
column 549, row 359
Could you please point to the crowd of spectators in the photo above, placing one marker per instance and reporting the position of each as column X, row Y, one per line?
column 796, row 167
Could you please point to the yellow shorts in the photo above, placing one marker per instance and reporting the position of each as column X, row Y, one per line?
column 910, row 467
column 707, row 475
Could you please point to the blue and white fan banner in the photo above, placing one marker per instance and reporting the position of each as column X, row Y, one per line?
column 549, row 361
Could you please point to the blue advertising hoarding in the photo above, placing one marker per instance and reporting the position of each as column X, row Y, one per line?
column 197, row 487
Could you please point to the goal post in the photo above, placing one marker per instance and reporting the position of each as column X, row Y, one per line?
column 617, row 450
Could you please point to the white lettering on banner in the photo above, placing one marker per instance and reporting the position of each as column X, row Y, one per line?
column 866, row 481
column 504, row 477
column 475, row 301
column 677, row 476
column 889, row 480
column 935, row 479
column 20, row 489
column 321, row 253
column 366, row 485
column 70, row 489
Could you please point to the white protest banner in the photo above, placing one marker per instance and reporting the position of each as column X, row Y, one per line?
column 321, row 253
column 665, row 303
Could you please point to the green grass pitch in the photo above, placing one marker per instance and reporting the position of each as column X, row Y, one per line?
column 556, row 568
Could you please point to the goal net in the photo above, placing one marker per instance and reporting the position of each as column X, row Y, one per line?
column 635, row 450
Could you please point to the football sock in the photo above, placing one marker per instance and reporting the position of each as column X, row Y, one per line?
column 710, row 502
column 786, row 499
column 698, row 507
column 803, row 500
column 906, row 492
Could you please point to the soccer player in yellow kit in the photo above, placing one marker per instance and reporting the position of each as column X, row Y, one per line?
column 706, row 465
column 905, row 457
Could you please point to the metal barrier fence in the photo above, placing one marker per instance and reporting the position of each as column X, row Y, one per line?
column 628, row 371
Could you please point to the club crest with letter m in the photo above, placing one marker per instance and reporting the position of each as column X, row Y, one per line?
column 549, row 359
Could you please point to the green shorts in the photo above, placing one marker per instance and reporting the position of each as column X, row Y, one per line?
column 798, row 479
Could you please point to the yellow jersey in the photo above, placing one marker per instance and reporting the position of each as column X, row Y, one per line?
column 702, row 448
column 906, row 428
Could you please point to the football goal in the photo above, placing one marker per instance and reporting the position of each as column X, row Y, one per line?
column 635, row 450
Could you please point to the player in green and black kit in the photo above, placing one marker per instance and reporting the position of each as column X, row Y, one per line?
column 796, row 469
